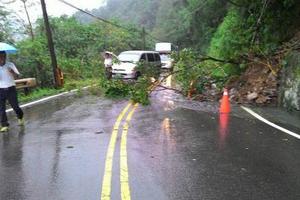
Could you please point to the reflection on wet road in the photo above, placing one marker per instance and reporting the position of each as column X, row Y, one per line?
column 176, row 150
column 223, row 129
column 191, row 152
column 60, row 153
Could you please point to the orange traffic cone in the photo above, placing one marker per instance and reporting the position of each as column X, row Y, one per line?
column 225, row 104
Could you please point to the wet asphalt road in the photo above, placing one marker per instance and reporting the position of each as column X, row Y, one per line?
column 177, row 150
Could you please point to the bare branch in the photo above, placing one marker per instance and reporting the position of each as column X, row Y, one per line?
column 159, row 82
column 235, row 4
column 259, row 21
column 218, row 60
column 168, row 88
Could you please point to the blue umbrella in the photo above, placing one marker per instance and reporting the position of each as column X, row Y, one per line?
column 7, row 48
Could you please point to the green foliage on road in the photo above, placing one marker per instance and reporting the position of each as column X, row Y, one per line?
column 115, row 88
column 140, row 91
column 136, row 90
column 187, row 68
column 193, row 72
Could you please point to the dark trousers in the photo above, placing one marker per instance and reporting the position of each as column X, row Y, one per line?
column 9, row 94
column 108, row 72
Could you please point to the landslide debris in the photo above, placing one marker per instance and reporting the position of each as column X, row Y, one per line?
column 258, row 85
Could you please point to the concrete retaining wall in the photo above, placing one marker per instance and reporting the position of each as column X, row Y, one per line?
column 290, row 82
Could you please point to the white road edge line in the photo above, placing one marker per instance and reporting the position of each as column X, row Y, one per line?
column 46, row 99
column 270, row 123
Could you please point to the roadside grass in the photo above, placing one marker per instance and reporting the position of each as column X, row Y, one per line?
column 40, row 93
column 78, row 84
column 113, row 89
column 37, row 94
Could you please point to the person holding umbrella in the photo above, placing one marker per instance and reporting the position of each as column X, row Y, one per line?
column 8, row 72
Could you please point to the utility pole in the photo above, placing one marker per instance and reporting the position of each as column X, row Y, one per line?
column 144, row 38
column 50, row 44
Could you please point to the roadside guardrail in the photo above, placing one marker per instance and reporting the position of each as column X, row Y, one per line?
column 26, row 84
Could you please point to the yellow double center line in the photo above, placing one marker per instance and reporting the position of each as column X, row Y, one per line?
column 106, row 184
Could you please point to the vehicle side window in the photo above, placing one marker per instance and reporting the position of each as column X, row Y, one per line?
column 150, row 57
column 143, row 57
column 157, row 57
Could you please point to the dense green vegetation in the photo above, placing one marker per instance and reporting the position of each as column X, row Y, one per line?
column 5, row 30
column 78, row 49
column 193, row 23
column 221, row 37
column 228, row 30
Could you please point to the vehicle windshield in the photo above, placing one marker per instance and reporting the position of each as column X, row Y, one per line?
column 129, row 57
column 165, row 57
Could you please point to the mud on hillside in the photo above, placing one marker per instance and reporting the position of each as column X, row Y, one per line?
column 257, row 85
column 260, row 83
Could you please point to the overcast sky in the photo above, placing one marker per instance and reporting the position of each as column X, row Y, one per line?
column 57, row 8
column 54, row 7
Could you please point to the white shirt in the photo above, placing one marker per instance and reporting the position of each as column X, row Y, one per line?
column 6, row 78
column 108, row 62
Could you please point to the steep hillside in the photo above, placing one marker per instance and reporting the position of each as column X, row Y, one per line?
column 186, row 23
column 242, row 37
column 141, row 13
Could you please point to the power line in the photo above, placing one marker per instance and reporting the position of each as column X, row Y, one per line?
column 107, row 21
column 94, row 16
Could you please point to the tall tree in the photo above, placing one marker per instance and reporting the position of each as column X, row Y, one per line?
column 5, row 25
column 21, row 7
column 28, row 18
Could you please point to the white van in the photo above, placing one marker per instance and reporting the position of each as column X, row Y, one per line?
column 165, row 50
column 128, row 61
column 166, row 61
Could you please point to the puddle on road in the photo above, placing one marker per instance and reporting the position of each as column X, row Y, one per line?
column 172, row 100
